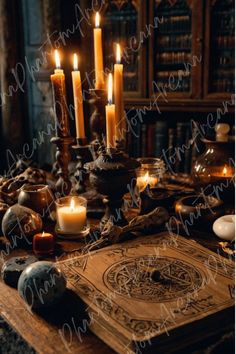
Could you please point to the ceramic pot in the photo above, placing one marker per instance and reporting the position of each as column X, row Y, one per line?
column 199, row 212
column 38, row 198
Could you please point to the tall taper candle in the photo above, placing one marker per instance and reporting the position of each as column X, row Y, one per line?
column 98, row 54
column 118, row 94
column 59, row 98
column 110, row 117
column 78, row 100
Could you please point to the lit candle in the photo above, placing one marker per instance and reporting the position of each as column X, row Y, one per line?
column 71, row 218
column 59, row 98
column 98, row 54
column 110, row 117
column 227, row 172
column 223, row 172
column 118, row 95
column 143, row 181
column 43, row 243
column 78, row 100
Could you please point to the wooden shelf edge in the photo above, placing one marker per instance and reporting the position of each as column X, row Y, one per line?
column 181, row 105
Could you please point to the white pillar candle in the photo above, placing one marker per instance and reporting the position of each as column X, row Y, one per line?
column 71, row 218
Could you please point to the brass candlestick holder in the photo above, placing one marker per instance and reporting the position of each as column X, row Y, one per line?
column 63, row 158
column 98, row 118
column 111, row 174
column 82, row 149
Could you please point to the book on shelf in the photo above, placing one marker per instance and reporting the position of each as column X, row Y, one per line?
column 181, row 128
column 143, row 140
column 171, row 149
column 134, row 137
column 150, row 139
column 161, row 137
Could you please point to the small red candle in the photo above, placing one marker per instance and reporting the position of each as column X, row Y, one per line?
column 43, row 243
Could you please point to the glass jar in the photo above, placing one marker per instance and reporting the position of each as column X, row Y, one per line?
column 71, row 213
column 150, row 173
column 213, row 172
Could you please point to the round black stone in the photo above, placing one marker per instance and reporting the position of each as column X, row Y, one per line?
column 12, row 269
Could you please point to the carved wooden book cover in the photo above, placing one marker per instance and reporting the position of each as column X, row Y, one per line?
column 145, row 293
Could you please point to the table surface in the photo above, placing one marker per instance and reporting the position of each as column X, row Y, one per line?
column 56, row 331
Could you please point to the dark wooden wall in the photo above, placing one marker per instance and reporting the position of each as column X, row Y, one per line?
column 13, row 129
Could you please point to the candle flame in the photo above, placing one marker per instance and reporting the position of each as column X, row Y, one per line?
column 110, row 87
column 118, row 53
column 76, row 65
column 97, row 20
column 57, row 59
column 225, row 171
column 72, row 205
column 43, row 234
column 146, row 177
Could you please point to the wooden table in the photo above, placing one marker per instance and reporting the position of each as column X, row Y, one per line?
column 54, row 331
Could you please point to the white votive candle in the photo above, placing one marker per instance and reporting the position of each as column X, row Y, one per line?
column 71, row 218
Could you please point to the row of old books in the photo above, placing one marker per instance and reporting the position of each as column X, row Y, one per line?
column 181, row 41
column 177, row 145
column 170, row 24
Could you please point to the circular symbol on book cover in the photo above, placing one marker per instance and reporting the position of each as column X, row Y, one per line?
column 152, row 278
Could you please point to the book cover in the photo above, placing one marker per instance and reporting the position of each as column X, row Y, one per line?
column 161, row 138
column 171, row 149
column 181, row 128
column 144, row 140
column 150, row 139
column 142, row 301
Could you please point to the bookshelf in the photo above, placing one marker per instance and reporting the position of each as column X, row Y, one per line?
column 182, row 72
column 123, row 22
column 219, row 49
column 175, row 49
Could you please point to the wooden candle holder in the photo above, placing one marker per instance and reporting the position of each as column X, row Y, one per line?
column 83, row 155
column 63, row 158
column 98, row 117
column 111, row 174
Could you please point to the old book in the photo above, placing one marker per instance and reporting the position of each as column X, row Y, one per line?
column 161, row 138
column 171, row 149
column 150, row 139
column 153, row 293
column 181, row 128
column 144, row 140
